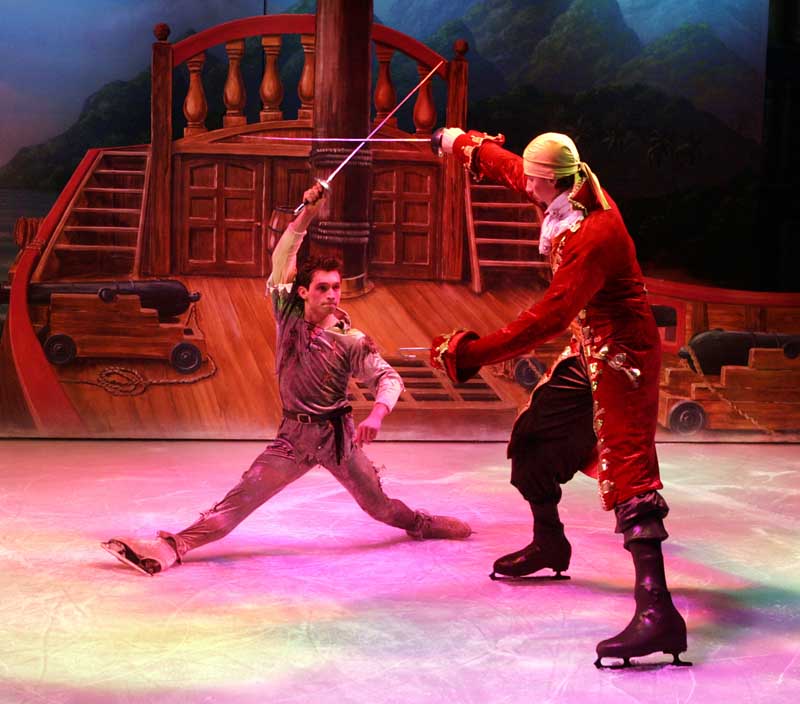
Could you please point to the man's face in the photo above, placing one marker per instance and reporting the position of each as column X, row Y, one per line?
column 322, row 296
column 541, row 191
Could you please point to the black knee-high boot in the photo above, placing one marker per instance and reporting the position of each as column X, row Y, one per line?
column 656, row 625
column 550, row 547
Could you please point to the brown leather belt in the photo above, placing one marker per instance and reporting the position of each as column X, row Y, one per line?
column 317, row 418
column 335, row 416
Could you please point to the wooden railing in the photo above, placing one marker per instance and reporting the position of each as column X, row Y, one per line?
column 272, row 28
column 50, row 408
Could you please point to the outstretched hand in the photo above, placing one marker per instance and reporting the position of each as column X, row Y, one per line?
column 368, row 428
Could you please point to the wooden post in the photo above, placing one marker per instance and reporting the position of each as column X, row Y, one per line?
column 271, row 87
column 341, row 109
column 234, row 93
column 158, row 239
column 453, row 182
column 385, row 97
column 305, row 88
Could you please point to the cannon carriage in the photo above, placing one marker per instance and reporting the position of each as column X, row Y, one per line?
column 146, row 319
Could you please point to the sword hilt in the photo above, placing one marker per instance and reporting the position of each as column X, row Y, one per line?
column 322, row 182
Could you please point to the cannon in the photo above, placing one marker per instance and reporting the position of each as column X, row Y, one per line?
column 116, row 319
column 168, row 297
column 715, row 349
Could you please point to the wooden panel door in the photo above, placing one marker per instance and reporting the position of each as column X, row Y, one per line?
column 287, row 181
column 405, row 239
column 220, row 200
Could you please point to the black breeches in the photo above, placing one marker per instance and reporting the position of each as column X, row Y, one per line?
column 554, row 437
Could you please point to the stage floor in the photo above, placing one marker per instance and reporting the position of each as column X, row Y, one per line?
column 310, row 600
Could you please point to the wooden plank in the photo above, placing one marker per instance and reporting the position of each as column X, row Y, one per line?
column 124, row 211
column 121, row 172
column 756, row 394
column 501, row 204
column 511, row 224
column 501, row 240
column 763, row 379
column 771, row 359
column 514, row 264
column 108, row 248
column 476, row 283
column 99, row 189
column 101, row 228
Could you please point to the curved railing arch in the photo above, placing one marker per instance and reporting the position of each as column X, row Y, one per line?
column 296, row 24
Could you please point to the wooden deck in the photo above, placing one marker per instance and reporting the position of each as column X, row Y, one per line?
column 240, row 399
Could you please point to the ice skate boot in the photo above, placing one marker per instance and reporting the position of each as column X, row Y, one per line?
column 428, row 527
column 655, row 627
column 550, row 547
column 148, row 556
column 538, row 555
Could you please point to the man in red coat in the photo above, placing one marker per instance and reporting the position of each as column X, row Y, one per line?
column 596, row 408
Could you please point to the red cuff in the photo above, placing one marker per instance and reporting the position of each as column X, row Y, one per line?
column 444, row 354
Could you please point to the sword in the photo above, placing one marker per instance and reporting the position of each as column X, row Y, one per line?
column 325, row 183
column 408, row 352
column 270, row 138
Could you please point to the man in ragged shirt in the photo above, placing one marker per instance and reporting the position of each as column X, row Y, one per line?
column 317, row 353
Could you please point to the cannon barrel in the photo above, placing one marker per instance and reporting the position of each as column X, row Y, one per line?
column 715, row 349
column 167, row 296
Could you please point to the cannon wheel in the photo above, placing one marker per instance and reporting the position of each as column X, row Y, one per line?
column 791, row 350
column 60, row 349
column 528, row 371
column 186, row 357
column 107, row 295
column 687, row 418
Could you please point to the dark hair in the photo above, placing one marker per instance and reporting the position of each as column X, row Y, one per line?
column 565, row 183
column 305, row 272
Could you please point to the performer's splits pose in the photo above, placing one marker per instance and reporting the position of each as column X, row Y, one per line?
column 598, row 403
column 317, row 353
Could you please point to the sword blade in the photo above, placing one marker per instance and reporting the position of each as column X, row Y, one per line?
column 270, row 138
column 355, row 151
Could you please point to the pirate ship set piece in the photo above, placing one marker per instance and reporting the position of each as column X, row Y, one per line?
column 169, row 237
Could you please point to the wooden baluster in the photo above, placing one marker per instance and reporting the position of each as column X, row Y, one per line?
column 195, row 107
column 385, row 95
column 271, row 86
column 234, row 95
column 424, row 109
column 305, row 88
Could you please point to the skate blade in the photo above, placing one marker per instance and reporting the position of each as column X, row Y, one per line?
column 117, row 549
column 626, row 663
column 495, row 577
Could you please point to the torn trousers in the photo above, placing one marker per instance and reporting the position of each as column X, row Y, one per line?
column 298, row 448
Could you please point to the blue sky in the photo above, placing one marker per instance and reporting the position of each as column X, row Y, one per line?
column 53, row 55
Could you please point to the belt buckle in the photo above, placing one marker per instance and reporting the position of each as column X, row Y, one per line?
column 304, row 418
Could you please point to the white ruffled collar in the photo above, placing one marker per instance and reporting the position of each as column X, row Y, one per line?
column 560, row 215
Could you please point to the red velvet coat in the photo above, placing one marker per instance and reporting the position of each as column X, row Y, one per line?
column 597, row 280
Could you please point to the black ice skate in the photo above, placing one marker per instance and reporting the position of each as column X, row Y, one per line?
column 554, row 554
column 655, row 627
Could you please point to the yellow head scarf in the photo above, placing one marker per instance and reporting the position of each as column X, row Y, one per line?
column 552, row 156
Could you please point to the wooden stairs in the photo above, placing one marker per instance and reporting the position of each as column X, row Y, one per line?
column 100, row 234
column 502, row 230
